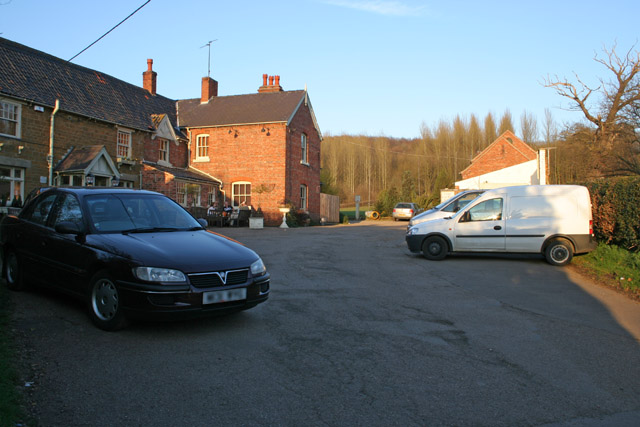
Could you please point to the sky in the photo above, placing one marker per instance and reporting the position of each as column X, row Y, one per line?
column 371, row 67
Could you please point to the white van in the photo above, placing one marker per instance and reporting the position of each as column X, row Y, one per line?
column 446, row 208
column 554, row 220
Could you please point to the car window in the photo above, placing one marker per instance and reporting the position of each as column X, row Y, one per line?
column 489, row 210
column 136, row 212
column 68, row 209
column 41, row 209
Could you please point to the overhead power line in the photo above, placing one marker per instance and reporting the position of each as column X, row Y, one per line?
column 101, row 37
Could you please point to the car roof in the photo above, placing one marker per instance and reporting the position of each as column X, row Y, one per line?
column 83, row 191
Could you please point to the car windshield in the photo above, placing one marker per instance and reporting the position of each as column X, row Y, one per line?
column 137, row 213
column 403, row 206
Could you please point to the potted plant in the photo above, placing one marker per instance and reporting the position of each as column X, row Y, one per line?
column 256, row 220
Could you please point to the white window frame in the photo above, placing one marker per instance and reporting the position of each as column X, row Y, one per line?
column 305, row 149
column 202, row 148
column 181, row 192
column 124, row 144
column 14, row 179
column 11, row 112
column 163, row 155
column 304, row 193
column 243, row 196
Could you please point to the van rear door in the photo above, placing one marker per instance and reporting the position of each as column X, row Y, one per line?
column 482, row 227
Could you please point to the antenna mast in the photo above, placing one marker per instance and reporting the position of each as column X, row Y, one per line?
column 209, row 45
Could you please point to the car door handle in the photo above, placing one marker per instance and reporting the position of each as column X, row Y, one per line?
column 497, row 227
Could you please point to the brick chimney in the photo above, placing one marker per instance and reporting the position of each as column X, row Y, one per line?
column 149, row 78
column 209, row 89
column 271, row 87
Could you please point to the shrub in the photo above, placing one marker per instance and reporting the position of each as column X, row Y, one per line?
column 616, row 211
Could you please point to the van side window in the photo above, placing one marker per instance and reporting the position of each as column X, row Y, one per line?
column 489, row 210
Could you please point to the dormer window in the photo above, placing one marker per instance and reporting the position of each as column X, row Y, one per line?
column 124, row 144
column 164, row 151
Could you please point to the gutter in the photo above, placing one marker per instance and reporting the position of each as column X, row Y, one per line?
column 51, row 129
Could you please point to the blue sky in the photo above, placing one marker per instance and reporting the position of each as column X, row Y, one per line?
column 375, row 67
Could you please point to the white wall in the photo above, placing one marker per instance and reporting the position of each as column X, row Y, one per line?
column 522, row 174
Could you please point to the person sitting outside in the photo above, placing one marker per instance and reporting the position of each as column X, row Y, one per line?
column 213, row 208
column 227, row 209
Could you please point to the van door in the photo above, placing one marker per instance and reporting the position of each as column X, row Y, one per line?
column 481, row 228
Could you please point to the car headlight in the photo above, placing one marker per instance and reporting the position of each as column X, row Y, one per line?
column 155, row 274
column 258, row 268
column 412, row 231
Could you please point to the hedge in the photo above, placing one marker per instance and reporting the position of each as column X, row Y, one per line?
column 616, row 211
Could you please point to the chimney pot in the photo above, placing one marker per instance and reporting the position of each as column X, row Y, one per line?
column 264, row 79
column 277, row 80
column 270, row 80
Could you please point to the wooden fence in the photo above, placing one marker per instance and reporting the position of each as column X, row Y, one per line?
column 330, row 208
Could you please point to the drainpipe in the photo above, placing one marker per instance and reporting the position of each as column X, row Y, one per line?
column 50, row 156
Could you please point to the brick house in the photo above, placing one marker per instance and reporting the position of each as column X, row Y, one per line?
column 55, row 115
column 264, row 147
column 505, row 162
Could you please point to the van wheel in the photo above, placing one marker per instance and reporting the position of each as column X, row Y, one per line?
column 559, row 252
column 434, row 248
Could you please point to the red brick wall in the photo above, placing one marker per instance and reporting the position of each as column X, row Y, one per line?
column 304, row 174
column 508, row 150
column 269, row 159
column 177, row 152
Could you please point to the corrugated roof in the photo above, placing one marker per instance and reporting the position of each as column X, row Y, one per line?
column 240, row 109
column 32, row 75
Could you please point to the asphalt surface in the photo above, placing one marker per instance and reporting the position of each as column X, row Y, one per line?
column 357, row 331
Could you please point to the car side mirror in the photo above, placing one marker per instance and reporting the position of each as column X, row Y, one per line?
column 203, row 222
column 68, row 227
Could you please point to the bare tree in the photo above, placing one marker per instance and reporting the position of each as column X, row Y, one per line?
column 617, row 96
column 505, row 123
column 528, row 127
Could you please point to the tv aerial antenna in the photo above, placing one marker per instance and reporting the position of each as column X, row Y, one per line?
column 208, row 44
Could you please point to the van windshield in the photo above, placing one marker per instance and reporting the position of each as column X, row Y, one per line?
column 458, row 202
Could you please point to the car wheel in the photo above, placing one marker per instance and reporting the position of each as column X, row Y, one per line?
column 434, row 248
column 559, row 252
column 105, row 307
column 13, row 272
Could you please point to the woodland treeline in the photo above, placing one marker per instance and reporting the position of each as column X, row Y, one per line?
column 603, row 144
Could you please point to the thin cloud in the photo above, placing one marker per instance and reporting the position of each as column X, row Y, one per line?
column 381, row 7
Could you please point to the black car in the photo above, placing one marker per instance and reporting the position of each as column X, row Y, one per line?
column 128, row 253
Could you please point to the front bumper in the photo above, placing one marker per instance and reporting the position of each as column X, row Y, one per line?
column 185, row 301
column 414, row 242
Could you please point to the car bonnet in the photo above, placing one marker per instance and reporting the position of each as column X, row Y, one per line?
column 188, row 251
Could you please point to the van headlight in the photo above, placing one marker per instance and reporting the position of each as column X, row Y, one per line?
column 412, row 231
column 258, row 268
column 155, row 274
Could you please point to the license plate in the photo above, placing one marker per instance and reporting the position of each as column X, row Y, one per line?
column 214, row 297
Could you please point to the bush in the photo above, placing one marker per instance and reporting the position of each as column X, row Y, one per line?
column 616, row 211
column 387, row 200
